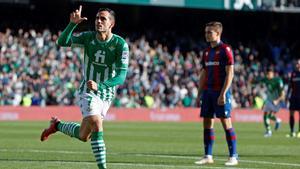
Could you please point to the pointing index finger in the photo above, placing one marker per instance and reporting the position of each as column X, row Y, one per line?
column 80, row 8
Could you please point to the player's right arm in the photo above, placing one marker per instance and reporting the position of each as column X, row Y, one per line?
column 66, row 38
column 281, row 94
column 202, row 79
column 201, row 84
column 289, row 91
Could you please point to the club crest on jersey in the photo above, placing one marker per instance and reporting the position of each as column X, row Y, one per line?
column 228, row 49
column 93, row 42
column 212, row 63
column 111, row 48
column 77, row 34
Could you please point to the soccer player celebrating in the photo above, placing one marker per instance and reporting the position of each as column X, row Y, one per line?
column 215, row 81
column 105, row 66
column 275, row 94
column 294, row 99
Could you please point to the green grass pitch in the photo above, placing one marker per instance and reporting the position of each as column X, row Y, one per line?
column 137, row 145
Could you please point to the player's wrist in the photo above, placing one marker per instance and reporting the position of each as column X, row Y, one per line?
column 222, row 94
column 73, row 23
column 102, row 86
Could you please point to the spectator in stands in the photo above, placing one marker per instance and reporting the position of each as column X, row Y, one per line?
column 30, row 63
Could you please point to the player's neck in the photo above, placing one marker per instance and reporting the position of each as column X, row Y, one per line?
column 215, row 43
column 104, row 36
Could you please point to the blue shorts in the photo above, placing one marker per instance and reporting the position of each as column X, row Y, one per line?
column 210, row 107
column 294, row 103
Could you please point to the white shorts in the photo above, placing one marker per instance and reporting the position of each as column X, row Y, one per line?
column 90, row 104
column 269, row 106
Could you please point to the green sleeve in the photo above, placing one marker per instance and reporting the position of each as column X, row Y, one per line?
column 280, row 84
column 117, row 80
column 66, row 38
column 121, row 68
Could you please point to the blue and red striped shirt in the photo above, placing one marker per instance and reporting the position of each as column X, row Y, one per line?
column 214, row 61
column 295, row 84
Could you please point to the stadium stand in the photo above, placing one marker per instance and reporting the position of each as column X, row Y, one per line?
column 165, row 53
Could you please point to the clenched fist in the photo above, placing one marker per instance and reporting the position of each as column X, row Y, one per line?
column 92, row 85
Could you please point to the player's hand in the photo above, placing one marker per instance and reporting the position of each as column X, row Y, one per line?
column 221, row 100
column 92, row 85
column 75, row 16
column 276, row 102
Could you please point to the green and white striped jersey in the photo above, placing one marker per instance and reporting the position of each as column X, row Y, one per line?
column 101, row 60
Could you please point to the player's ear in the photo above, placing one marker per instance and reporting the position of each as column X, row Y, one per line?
column 112, row 24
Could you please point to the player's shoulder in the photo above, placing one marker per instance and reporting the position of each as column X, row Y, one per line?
column 226, row 47
column 119, row 40
column 278, row 79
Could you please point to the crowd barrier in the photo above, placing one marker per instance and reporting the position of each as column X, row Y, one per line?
column 72, row 113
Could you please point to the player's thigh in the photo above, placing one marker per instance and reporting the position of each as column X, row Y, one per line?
column 292, row 112
column 208, row 123
column 269, row 106
column 223, row 111
column 206, row 105
column 85, row 130
column 94, row 123
column 226, row 123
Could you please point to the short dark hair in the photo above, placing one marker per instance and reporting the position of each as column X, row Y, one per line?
column 215, row 24
column 110, row 11
column 270, row 69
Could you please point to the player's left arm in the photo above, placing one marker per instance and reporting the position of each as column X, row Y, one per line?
column 229, row 75
column 289, row 91
column 121, row 68
column 282, row 93
column 228, row 80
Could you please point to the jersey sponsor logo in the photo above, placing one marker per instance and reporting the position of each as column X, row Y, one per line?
column 296, row 79
column 217, row 52
column 206, row 53
column 100, row 56
column 125, row 57
column 212, row 63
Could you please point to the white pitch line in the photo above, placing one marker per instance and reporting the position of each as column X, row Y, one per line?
column 120, row 164
column 43, row 151
column 144, row 155
column 219, row 159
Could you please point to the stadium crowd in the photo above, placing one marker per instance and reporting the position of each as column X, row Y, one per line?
column 35, row 71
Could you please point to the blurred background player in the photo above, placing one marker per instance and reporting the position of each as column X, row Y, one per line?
column 105, row 67
column 275, row 94
column 294, row 99
column 215, row 81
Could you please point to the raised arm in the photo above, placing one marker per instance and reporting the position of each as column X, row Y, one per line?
column 65, row 39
